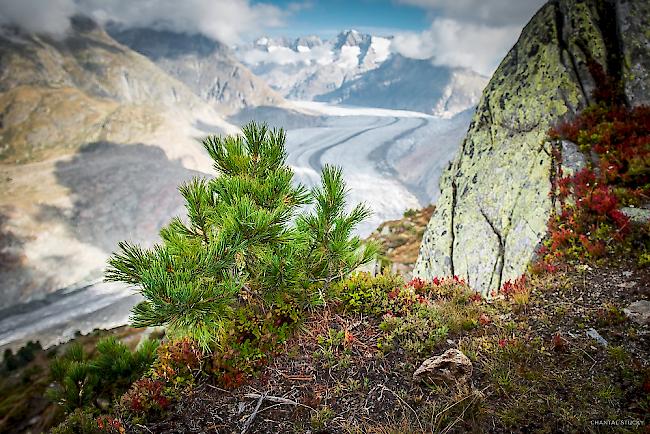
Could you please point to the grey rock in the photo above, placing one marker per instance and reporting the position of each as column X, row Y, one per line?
column 592, row 333
column 495, row 197
column 639, row 312
column 637, row 215
column 451, row 367
column 572, row 159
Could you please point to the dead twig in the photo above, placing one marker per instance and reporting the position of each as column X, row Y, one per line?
column 251, row 418
column 142, row 426
column 474, row 397
column 296, row 377
column 218, row 388
column 277, row 400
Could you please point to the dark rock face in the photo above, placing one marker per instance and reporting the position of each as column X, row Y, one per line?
column 207, row 67
column 495, row 201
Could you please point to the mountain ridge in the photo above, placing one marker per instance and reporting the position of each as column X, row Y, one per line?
column 206, row 66
column 360, row 69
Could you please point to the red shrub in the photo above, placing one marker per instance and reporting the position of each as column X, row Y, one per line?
column 110, row 424
column 146, row 396
column 589, row 223
column 518, row 286
column 417, row 284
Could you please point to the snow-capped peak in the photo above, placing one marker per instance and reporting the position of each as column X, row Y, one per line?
column 351, row 38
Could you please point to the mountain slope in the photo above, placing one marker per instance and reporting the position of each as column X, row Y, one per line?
column 76, row 176
column 495, row 201
column 410, row 84
column 359, row 69
column 91, row 88
column 206, row 66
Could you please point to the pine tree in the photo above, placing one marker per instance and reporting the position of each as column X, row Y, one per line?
column 242, row 240
column 332, row 250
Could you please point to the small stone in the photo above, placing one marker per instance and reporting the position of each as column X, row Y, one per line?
column 451, row 368
column 592, row 333
column 637, row 215
column 639, row 312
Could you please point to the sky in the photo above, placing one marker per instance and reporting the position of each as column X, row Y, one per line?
column 327, row 18
column 458, row 33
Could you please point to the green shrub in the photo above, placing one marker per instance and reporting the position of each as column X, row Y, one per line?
column 410, row 213
column 243, row 243
column 83, row 421
column 364, row 293
column 418, row 332
column 421, row 314
column 80, row 380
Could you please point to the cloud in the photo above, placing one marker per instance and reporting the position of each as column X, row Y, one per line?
column 280, row 55
column 226, row 20
column 474, row 34
column 457, row 44
column 486, row 12
column 42, row 16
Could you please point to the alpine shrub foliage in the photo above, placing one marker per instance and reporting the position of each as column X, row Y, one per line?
column 243, row 242
column 79, row 378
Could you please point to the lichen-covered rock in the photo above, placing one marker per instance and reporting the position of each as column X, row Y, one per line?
column 494, row 204
column 451, row 367
column 634, row 32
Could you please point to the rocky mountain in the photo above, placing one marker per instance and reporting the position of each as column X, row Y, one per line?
column 412, row 84
column 90, row 88
column 306, row 67
column 95, row 140
column 495, row 203
column 359, row 69
column 206, row 66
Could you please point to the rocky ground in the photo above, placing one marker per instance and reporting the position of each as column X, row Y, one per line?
column 568, row 359
column 562, row 352
column 400, row 240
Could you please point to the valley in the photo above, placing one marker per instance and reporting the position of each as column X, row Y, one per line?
column 129, row 192
column 100, row 127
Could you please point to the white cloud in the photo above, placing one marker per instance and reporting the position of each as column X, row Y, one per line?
column 487, row 12
column 280, row 55
column 459, row 44
column 44, row 16
column 474, row 34
column 225, row 20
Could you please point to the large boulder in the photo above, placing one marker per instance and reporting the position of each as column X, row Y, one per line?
column 495, row 204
